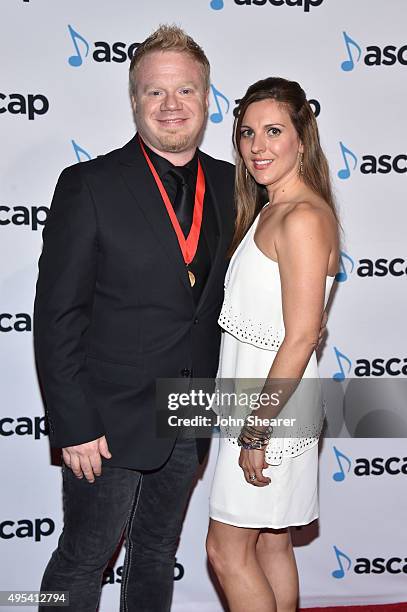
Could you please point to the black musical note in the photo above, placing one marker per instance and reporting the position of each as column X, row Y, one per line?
column 76, row 60
column 340, row 475
column 218, row 116
column 349, row 64
column 339, row 573
column 340, row 376
column 344, row 173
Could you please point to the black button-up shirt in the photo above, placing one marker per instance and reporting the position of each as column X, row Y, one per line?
column 201, row 264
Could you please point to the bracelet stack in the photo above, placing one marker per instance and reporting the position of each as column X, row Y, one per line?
column 254, row 438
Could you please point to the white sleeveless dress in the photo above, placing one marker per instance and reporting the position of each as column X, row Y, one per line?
column 252, row 322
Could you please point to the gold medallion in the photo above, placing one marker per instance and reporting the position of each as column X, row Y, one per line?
column 191, row 276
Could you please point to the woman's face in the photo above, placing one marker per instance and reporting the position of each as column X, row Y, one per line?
column 269, row 143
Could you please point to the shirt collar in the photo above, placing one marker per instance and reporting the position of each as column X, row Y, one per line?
column 163, row 166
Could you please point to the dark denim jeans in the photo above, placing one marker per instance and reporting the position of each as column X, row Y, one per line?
column 150, row 506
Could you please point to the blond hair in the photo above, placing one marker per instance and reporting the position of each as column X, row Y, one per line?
column 168, row 38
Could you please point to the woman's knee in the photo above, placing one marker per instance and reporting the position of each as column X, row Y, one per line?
column 226, row 558
column 274, row 543
column 214, row 551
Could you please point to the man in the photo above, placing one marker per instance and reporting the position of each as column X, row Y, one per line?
column 122, row 302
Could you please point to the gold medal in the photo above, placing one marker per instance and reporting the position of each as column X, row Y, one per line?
column 191, row 276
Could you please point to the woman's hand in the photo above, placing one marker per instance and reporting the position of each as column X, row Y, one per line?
column 253, row 463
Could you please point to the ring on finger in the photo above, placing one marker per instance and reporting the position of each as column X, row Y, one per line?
column 252, row 477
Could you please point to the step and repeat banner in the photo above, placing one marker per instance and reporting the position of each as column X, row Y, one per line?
column 63, row 99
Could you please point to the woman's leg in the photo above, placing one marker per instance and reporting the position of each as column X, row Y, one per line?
column 276, row 557
column 232, row 553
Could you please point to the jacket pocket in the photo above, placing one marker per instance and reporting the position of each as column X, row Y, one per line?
column 117, row 373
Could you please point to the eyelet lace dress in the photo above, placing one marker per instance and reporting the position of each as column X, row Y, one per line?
column 252, row 323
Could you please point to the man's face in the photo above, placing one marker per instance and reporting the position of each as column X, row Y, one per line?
column 170, row 102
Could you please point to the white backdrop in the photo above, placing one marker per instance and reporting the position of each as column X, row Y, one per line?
column 63, row 98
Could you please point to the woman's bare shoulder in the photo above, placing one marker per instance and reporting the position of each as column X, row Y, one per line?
column 309, row 214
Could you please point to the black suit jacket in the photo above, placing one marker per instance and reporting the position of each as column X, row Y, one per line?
column 114, row 310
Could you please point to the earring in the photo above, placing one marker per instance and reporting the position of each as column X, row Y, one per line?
column 301, row 171
column 246, row 173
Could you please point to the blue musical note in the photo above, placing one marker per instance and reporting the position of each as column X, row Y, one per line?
column 342, row 275
column 349, row 64
column 340, row 475
column 76, row 60
column 81, row 154
column 218, row 116
column 339, row 573
column 344, row 173
column 340, row 376
column 216, row 5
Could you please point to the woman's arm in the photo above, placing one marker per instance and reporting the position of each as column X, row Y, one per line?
column 303, row 245
column 303, row 248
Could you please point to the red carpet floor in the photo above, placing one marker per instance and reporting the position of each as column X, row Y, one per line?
column 400, row 607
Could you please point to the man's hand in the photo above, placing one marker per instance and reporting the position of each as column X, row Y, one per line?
column 322, row 331
column 85, row 459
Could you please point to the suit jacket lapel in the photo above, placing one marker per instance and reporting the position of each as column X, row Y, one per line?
column 214, row 239
column 141, row 184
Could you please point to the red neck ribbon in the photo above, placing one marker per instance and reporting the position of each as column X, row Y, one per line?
column 187, row 245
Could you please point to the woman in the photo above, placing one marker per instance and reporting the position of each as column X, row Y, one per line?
column 285, row 257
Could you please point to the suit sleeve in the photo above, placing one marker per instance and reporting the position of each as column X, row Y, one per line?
column 62, row 310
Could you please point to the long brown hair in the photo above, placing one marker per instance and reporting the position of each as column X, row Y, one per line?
column 249, row 195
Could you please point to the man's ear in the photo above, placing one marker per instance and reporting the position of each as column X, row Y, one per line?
column 133, row 103
column 207, row 98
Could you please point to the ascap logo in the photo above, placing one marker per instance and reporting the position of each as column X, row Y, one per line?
column 378, row 366
column 370, row 164
column 33, row 216
column 217, row 5
column 363, row 466
column 26, row 528
column 23, row 426
column 20, row 322
column 114, row 576
column 382, row 267
column 372, row 55
column 103, row 51
column 378, row 466
column 394, row 366
column 364, row 565
column 369, row 268
column 28, row 105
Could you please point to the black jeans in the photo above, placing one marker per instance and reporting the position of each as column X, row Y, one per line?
column 150, row 506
